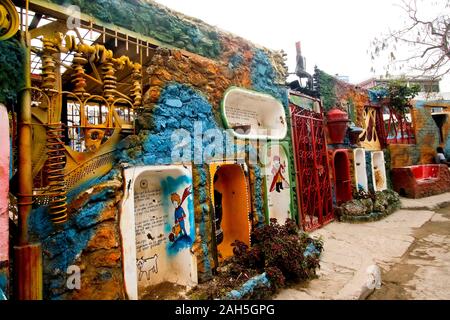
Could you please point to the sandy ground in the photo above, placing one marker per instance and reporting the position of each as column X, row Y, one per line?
column 410, row 246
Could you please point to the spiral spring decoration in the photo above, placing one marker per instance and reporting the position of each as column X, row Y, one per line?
column 78, row 78
column 48, row 66
column 55, row 173
column 136, row 90
column 109, row 81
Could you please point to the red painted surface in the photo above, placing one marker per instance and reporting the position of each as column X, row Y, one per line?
column 337, row 123
column 421, row 181
column 342, row 178
column 398, row 129
column 312, row 173
column 4, row 183
column 425, row 171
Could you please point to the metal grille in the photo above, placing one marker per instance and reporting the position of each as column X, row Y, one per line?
column 312, row 172
column 398, row 127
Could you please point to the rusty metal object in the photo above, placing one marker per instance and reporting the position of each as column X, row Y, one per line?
column 55, row 173
column 100, row 138
column 78, row 78
column 28, row 257
column 28, row 272
column 109, row 81
column 9, row 20
column 136, row 91
column 48, row 66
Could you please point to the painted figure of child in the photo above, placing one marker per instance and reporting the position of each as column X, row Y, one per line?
column 278, row 182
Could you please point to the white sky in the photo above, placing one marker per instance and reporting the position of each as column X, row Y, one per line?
column 335, row 34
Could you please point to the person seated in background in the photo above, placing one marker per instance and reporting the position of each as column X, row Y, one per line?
column 440, row 157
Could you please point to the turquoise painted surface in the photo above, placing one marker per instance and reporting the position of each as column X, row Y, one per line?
column 3, row 284
column 264, row 77
column 375, row 95
column 12, row 56
column 249, row 286
column 259, row 200
column 62, row 244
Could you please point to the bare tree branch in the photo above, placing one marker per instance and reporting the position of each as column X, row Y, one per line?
column 429, row 38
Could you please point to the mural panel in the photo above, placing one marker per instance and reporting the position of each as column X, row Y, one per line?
column 278, row 184
column 158, row 228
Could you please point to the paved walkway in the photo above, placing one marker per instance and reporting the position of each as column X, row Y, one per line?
column 351, row 248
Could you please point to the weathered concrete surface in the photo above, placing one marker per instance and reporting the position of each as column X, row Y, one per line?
column 351, row 248
column 424, row 270
column 430, row 203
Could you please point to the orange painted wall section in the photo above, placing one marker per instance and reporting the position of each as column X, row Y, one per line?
column 231, row 182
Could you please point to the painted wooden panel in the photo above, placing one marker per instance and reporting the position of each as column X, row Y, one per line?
column 278, row 184
column 158, row 228
column 253, row 115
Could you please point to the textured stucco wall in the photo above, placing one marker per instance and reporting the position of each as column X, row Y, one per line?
column 335, row 92
column 426, row 133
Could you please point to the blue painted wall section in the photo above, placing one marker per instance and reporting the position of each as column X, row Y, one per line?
column 264, row 79
column 249, row 286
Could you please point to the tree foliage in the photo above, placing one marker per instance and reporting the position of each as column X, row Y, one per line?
column 424, row 37
column 399, row 94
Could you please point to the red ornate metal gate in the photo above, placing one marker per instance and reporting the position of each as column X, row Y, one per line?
column 311, row 165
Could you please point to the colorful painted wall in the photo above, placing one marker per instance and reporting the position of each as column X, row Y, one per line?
column 335, row 92
column 185, row 87
column 427, row 132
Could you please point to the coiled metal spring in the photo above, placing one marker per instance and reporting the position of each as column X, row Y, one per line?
column 55, row 173
column 109, row 81
column 136, row 90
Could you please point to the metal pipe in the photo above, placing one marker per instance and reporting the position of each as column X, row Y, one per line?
column 27, row 256
column 25, row 177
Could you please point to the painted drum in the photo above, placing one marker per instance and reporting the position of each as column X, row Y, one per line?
column 158, row 228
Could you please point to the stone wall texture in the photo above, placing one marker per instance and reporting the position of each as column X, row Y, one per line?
column 426, row 133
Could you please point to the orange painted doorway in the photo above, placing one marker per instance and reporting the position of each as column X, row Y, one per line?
column 229, row 194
